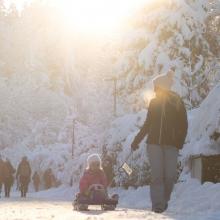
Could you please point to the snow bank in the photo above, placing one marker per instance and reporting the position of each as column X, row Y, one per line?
column 61, row 193
column 118, row 140
column 203, row 122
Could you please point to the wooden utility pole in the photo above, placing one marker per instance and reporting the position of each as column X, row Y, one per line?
column 73, row 138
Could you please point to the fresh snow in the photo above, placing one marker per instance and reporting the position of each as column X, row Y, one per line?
column 47, row 87
column 203, row 122
column 190, row 200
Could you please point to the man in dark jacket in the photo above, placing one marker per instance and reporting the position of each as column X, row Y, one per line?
column 1, row 173
column 166, row 126
column 8, row 172
column 23, row 175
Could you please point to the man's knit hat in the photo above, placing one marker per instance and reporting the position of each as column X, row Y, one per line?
column 164, row 81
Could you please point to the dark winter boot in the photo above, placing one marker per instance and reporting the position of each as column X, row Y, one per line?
column 108, row 207
column 83, row 207
column 159, row 210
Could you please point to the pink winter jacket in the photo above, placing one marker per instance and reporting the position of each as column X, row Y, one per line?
column 89, row 178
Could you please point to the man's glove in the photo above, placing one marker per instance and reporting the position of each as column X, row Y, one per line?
column 134, row 146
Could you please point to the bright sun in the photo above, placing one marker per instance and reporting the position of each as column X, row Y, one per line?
column 97, row 15
column 92, row 16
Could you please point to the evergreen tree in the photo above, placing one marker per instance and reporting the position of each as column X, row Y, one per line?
column 167, row 34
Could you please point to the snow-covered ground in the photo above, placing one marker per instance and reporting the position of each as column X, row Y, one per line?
column 37, row 109
column 190, row 201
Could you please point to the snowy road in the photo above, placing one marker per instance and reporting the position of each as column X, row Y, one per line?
column 29, row 209
column 190, row 201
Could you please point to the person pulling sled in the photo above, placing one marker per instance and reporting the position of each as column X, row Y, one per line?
column 93, row 187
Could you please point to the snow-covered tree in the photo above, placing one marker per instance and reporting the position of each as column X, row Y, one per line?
column 167, row 34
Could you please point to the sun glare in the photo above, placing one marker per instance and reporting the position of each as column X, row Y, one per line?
column 97, row 15
column 148, row 95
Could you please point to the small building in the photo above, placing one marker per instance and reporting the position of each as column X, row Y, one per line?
column 205, row 168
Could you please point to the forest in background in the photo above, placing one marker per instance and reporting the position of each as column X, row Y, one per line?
column 50, row 75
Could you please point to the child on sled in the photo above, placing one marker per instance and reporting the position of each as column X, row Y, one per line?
column 93, row 187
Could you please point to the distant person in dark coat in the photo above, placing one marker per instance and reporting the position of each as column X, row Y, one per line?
column 36, row 181
column 24, row 175
column 1, row 174
column 166, row 126
column 49, row 179
column 107, row 164
column 8, row 172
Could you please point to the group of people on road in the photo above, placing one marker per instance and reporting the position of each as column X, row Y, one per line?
column 23, row 177
column 7, row 172
column 48, row 180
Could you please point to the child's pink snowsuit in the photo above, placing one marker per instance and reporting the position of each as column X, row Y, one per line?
column 89, row 178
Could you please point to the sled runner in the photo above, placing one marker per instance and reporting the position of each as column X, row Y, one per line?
column 96, row 196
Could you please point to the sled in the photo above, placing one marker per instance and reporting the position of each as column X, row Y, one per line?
column 107, row 204
column 82, row 202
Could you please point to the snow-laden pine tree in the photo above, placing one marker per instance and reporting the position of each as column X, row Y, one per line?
column 180, row 34
column 36, row 59
column 168, row 34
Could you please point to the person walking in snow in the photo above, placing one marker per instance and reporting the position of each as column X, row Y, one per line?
column 166, row 126
column 36, row 181
column 107, row 164
column 23, row 175
column 49, row 179
column 8, row 172
column 1, row 174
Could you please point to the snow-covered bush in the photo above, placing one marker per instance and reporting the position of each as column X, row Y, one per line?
column 204, row 123
column 118, row 144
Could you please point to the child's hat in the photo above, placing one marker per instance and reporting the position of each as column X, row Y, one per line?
column 93, row 158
